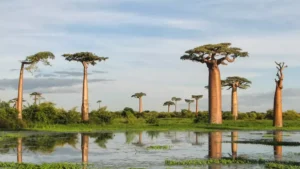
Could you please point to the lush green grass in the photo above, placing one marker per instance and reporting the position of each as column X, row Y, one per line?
column 40, row 166
column 159, row 147
column 168, row 124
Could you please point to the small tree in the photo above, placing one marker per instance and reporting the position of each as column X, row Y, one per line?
column 189, row 103
column 99, row 102
column 86, row 59
column 277, row 108
column 36, row 96
column 175, row 100
column 169, row 103
column 213, row 55
column 197, row 97
column 139, row 96
column 234, row 83
column 31, row 65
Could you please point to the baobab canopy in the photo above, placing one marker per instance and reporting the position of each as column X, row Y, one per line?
column 208, row 53
column 84, row 57
column 239, row 82
column 38, row 57
column 138, row 95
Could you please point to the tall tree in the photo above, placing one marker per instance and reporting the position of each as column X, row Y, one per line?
column 14, row 100
column 139, row 96
column 277, row 107
column 169, row 103
column 209, row 54
column 197, row 97
column 86, row 59
column 189, row 103
column 30, row 64
column 41, row 98
column 36, row 96
column 175, row 100
column 99, row 102
column 233, row 83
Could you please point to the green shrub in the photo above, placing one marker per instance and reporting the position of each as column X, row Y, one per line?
column 290, row 115
column 187, row 114
column 164, row 115
column 101, row 116
column 152, row 120
column 227, row 115
column 130, row 118
column 202, row 118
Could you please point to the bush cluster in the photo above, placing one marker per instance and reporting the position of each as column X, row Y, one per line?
column 47, row 113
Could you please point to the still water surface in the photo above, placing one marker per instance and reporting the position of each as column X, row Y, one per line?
column 129, row 149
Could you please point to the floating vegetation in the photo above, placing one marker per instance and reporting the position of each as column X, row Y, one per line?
column 227, row 161
column 266, row 142
column 281, row 166
column 41, row 166
column 272, row 135
column 159, row 147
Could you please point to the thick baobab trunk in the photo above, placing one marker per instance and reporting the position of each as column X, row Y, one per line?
column 35, row 98
column 99, row 106
column 189, row 106
column 277, row 110
column 196, row 108
column 168, row 108
column 175, row 106
column 85, row 99
column 234, row 137
column 234, row 103
column 215, row 145
column 19, row 150
column 277, row 149
column 20, row 93
column 140, row 105
column 215, row 95
column 85, row 148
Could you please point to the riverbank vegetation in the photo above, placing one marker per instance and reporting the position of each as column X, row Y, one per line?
column 46, row 116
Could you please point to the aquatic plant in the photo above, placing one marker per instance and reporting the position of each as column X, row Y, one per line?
column 159, row 147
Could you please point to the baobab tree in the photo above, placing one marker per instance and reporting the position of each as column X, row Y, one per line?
column 41, row 98
column 189, row 103
column 99, row 102
column 277, row 107
column 213, row 55
column 197, row 97
column 30, row 64
column 14, row 100
column 233, row 83
column 139, row 96
column 36, row 96
column 86, row 59
column 169, row 103
column 175, row 100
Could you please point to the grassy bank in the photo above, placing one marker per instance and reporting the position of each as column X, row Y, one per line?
column 178, row 124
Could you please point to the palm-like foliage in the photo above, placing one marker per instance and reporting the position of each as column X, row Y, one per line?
column 31, row 62
column 236, row 82
column 213, row 55
column 176, row 99
column 139, row 96
column 168, row 103
column 189, row 101
column 197, row 97
column 86, row 58
column 99, row 102
column 35, row 96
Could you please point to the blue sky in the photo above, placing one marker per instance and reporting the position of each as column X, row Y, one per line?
column 144, row 40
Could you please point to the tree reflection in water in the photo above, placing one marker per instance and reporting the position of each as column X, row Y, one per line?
column 277, row 149
column 215, row 147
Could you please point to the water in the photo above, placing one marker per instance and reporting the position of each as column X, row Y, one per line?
column 129, row 149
